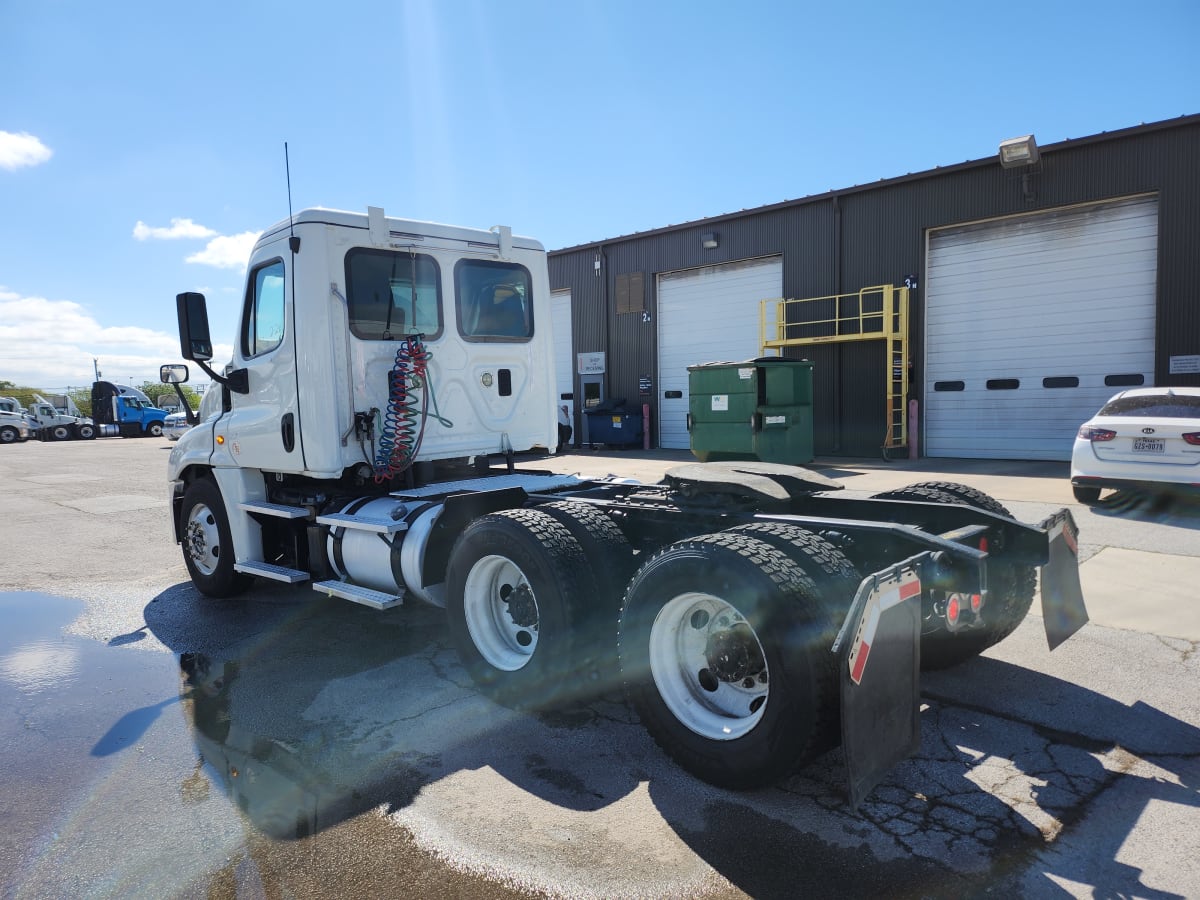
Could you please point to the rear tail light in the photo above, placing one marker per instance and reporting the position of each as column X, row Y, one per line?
column 1193, row 438
column 1088, row 433
column 953, row 610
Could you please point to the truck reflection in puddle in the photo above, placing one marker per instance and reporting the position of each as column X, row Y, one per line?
column 288, row 787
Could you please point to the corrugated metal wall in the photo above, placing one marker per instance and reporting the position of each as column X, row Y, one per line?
column 848, row 240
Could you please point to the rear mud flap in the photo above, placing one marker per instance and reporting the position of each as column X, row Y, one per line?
column 1063, row 610
column 879, row 662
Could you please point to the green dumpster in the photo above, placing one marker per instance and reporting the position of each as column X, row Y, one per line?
column 758, row 409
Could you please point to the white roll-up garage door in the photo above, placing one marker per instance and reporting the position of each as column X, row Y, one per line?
column 707, row 315
column 1032, row 322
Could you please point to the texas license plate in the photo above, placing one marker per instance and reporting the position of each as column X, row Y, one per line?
column 1149, row 445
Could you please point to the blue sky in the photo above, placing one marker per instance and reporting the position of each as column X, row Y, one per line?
column 141, row 143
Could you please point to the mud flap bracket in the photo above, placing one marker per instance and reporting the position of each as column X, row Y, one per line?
column 878, row 654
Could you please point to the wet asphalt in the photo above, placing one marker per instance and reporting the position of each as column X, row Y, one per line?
column 155, row 743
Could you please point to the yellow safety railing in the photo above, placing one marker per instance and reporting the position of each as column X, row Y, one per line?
column 877, row 313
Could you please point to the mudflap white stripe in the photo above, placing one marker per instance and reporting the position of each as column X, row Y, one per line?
column 894, row 592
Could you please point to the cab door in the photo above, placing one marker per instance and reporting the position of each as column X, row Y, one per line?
column 262, row 428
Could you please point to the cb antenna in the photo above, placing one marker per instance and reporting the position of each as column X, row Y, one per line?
column 293, row 241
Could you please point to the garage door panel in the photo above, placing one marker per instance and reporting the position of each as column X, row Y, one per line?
column 707, row 315
column 1065, row 293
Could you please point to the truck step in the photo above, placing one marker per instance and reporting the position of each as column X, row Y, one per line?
column 274, row 509
column 359, row 594
column 363, row 523
column 270, row 570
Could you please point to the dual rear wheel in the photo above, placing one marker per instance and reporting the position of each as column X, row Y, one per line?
column 1011, row 585
column 723, row 640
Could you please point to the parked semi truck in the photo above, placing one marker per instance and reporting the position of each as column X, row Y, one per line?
column 125, row 411
column 754, row 615
column 15, row 423
column 59, row 419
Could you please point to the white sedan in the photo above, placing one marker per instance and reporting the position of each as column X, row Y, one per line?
column 1146, row 438
column 174, row 425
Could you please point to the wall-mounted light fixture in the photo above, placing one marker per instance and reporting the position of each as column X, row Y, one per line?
column 709, row 240
column 1019, row 151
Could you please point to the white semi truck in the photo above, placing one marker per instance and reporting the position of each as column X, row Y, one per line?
column 16, row 425
column 61, row 420
column 754, row 616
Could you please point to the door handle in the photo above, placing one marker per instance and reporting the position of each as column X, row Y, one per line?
column 287, row 428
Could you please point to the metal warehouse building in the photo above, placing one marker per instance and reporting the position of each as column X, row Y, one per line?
column 1009, row 296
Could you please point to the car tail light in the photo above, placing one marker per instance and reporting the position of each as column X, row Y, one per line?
column 1192, row 437
column 1088, row 433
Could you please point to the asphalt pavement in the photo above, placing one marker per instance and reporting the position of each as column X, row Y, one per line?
column 158, row 744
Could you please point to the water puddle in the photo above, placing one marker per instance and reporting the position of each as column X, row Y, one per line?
column 123, row 772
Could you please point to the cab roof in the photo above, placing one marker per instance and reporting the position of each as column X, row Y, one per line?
column 398, row 228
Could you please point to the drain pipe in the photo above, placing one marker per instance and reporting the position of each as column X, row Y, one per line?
column 912, row 429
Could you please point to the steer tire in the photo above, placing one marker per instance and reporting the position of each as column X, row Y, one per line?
column 514, row 581
column 9, row 434
column 85, row 431
column 208, row 550
column 154, row 429
column 1011, row 586
column 60, row 433
column 725, row 656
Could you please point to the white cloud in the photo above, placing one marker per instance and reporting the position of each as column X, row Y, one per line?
column 227, row 251
column 179, row 228
column 50, row 344
column 17, row 150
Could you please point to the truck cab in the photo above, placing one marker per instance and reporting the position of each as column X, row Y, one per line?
column 126, row 411
column 334, row 335
column 15, row 423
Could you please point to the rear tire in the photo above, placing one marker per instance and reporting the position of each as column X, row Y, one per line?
column 1011, row 586
column 725, row 657
column 208, row 542
column 513, row 582
column 824, row 563
column 1087, row 495
column 610, row 560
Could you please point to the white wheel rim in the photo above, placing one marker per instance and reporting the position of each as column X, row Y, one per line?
column 493, row 587
column 202, row 540
column 711, row 703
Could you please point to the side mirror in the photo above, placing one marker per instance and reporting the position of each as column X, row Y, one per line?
column 196, row 345
column 176, row 374
column 194, row 340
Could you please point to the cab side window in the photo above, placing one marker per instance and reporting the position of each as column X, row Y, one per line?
column 263, row 328
column 391, row 294
column 494, row 301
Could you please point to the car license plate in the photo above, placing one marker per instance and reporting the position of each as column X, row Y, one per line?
column 1149, row 445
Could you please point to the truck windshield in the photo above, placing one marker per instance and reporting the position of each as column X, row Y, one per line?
column 494, row 301
column 392, row 294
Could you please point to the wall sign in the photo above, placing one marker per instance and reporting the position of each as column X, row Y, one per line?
column 1185, row 365
column 590, row 363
